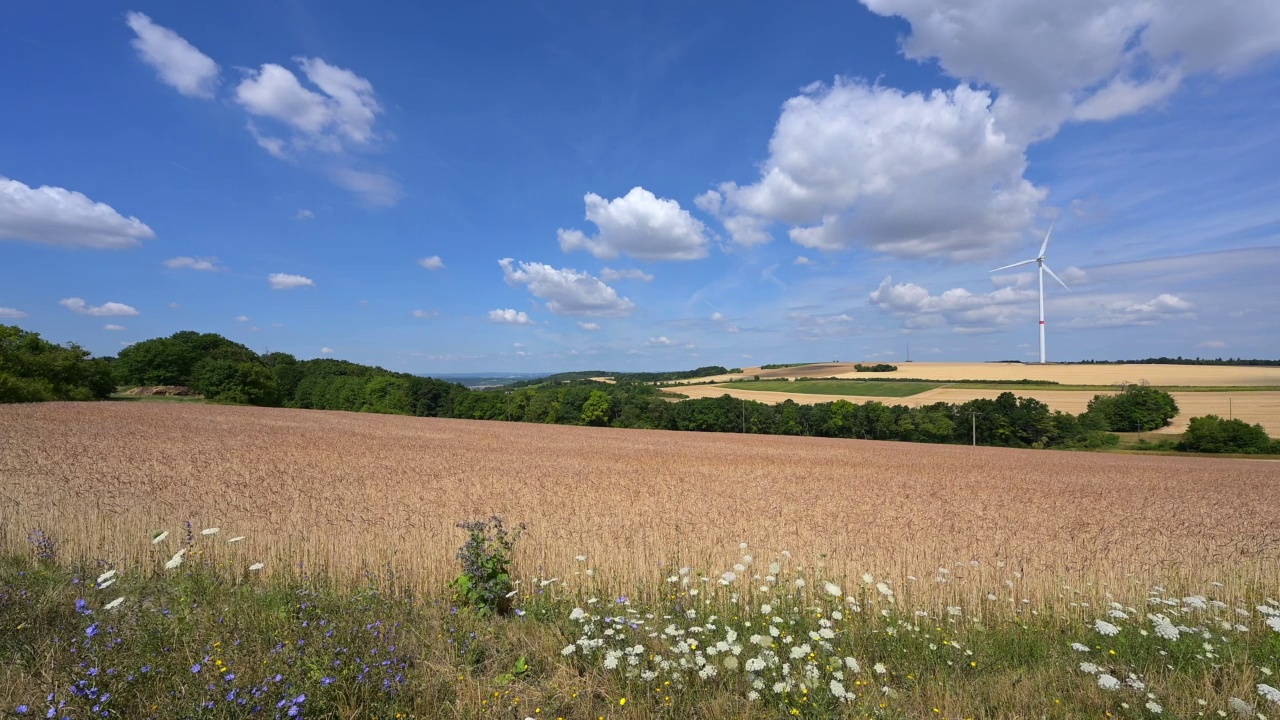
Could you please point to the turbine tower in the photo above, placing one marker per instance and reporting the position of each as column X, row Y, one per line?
column 1039, row 261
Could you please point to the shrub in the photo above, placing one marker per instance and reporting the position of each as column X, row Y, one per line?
column 878, row 367
column 485, row 583
column 1135, row 408
column 1212, row 434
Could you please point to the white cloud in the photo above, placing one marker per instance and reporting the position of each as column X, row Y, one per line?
column 57, row 216
column 344, row 110
column 425, row 313
column 964, row 311
column 110, row 309
column 589, row 326
column 609, row 275
column 177, row 62
column 733, row 329
column 174, row 306
column 510, row 316
column 1091, row 59
column 638, row 224
column 567, row 291
column 11, row 313
column 662, row 341
column 304, row 214
column 906, row 174
column 1212, row 344
column 1126, row 313
column 285, row 281
column 113, row 327
column 801, row 260
column 242, row 318
column 717, row 316
column 432, row 263
column 208, row 264
column 326, row 351
column 376, row 189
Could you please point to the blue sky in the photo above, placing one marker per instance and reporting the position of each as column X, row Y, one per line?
column 581, row 185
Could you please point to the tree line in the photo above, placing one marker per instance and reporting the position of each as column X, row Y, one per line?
column 32, row 369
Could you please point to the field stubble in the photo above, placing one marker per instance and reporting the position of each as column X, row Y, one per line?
column 352, row 492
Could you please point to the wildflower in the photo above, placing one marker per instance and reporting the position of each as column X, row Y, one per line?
column 113, row 604
column 256, row 566
column 568, row 650
column 236, row 539
column 1105, row 628
column 577, row 614
column 105, row 577
column 799, row 583
column 91, row 630
column 210, row 531
column 324, row 681
column 159, row 537
column 884, row 589
column 1079, row 647
column 1269, row 693
column 1273, row 622
column 879, row 668
column 1108, row 682
column 195, row 668
column 852, row 664
column 754, row 664
column 728, row 577
column 868, row 578
column 837, row 690
column 22, row 710
column 833, row 589
column 622, row 701
column 176, row 560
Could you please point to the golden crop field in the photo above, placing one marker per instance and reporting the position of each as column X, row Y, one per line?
column 1261, row 407
column 1198, row 375
column 352, row 492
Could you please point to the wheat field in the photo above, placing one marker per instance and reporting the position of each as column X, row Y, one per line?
column 355, row 493
column 1162, row 375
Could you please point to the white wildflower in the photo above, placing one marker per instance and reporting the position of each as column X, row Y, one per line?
column 107, row 584
column 176, row 560
column 879, row 668
column 235, row 539
column 1107, row 682
column 707, row 672
column 1079, row 647
column 884, row 589
column 779, row 687
column 577, row 614
column 1240, row 707
column 827, row 634
column 799, row 583
column 568, row 650
column 1269, row 693
column 1105, row 628
column 1274, row 623
column 611, row 659
column 113, row 604
column 852, row 664
column 754, row 664
column 752, row 695
column 837, row 690
column 766, row 609
column 728, row 577
column 833, row 589
column 1089, row 668
column 105, row 577
column 868, row 578
column 256, row 566
column 159, row 538
column 210, row 531
column 1154, row 707
column 1117, row 614
column 730, row 663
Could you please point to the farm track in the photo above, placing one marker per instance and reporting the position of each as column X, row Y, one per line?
column 355, row 492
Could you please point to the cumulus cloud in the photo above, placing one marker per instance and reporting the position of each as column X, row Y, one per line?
column 801, row 260
column 717, row 316
column 589, row 326
column 1125, row 313
column 242, row 318
column 207, row 264
column 908, row 174
column 9, row 313
column 567, row 291
column 112, row 327
column 609, row 275
column 964, row 311
column 177, row 62
column 343, row 111
column 326, row 351
column 304, row 214
column 510, row 316
column 109, row 309
column 58, row 216
column 1087, row 60
column 662, row 341
column 425, row 313
column 638, row 224
column 285, row 281
column 432, row 263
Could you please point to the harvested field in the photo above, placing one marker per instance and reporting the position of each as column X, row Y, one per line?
column 1065, row 374
column 1254, row 407
column 352, row 491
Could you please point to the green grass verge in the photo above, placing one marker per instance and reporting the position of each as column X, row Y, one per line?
column 206, row 641
column 850, row 387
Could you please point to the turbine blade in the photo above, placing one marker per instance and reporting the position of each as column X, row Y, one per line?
column 1017, row 264
column 1045, row 246
column 1055, row 277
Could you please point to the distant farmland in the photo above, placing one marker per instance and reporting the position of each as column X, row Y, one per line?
column 868, row 388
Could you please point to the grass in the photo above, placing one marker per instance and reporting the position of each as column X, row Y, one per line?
column 190, row 399
column 208, row 639
column 850, row 387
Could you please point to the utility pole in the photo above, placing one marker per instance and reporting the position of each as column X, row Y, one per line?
column 508, row 406
column 744, row 416
column 973, row 416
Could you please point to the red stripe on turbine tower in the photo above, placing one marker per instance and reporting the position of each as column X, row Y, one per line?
column 1041, row 322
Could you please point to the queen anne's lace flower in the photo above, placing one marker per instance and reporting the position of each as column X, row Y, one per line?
column 1105, row 628
column 1108, row 682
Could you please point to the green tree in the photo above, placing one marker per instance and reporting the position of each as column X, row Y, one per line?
column 1212, row 434
column 33, row 369
column 1135, row 408
column 224, row 380
column 595, row 411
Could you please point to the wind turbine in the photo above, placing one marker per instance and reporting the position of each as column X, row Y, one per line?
column 1039, row 261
